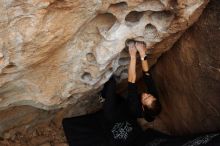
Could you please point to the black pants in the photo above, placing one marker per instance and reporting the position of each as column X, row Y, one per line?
column 85, row 130
column 89, row 130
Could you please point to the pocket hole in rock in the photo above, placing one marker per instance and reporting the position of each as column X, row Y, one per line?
column 134, row 16
column 125, row 71
column 163, row 15
column 125, row 50
column 11, row 67
column 124, row 61
column 120, row 70
column 109, row 72
column 124, row 74
column 103, row 23
column 90, row 57
column 162, row 19
column 86, row 76
column 150, row 31
column 106, row 19
column 121, row 5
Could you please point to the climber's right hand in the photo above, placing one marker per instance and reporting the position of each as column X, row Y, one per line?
column 132, row 50
column 141, row 47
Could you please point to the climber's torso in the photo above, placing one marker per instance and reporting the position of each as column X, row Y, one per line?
column 122, row 129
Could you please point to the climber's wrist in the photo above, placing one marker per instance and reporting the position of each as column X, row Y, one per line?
column 142, row 56
column 133, row 56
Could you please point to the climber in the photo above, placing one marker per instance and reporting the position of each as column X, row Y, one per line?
column 112, row 126
column 149, row 106
column 145, row 105
column 116, row 124
column 122, row 112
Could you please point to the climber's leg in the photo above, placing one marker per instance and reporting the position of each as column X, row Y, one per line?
column 84, row 130
column 109, row 89
column 112, row 101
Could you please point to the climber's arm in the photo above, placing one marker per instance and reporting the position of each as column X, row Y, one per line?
column 151, row 88
column 141, row 47
column 132, row 65
column 111, row 108
column 132, row 70
column 132, row 98
column 132, row 87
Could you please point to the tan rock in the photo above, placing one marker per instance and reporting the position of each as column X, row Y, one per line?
column 61, row 144
column 40, row 140
column 46, row 144
column 52, row 53
column 188, row 78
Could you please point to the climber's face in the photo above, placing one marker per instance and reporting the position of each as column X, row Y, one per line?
column 147, row 99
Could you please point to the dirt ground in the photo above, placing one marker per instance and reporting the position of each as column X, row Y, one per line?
column 44, row 135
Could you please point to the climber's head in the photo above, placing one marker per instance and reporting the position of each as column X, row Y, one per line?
column 151, row 106
column 147, row 100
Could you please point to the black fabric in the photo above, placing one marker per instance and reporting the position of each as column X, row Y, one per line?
column 84, row 130
column 119, row 108
column 121, row 123
column 94, row 130
column 151, row 88
column 87, row 131
column 91, row 130
column 134, row 100
column 115, row 107
column 115, row 125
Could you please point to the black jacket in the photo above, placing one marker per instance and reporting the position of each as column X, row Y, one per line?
column 121, row 128
column 121, row 113
column 134, row 98
column 115, row 125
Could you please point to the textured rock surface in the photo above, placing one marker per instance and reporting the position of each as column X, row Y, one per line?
column 55, row 53
column 52, row 52
column 188, row 76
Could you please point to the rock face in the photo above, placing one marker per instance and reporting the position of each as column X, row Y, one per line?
column 188, row 76
column 52, row 52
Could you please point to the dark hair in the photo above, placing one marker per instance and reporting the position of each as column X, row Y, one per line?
column 151, row 112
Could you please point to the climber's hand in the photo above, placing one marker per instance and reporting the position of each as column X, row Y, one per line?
column 141, row 47
column 132, row 49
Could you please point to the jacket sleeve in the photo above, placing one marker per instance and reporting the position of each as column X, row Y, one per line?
column 134, row 100
column 151, row 88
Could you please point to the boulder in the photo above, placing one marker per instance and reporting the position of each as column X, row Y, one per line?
column 188, row 78
column 52, row 52
column 55, row 54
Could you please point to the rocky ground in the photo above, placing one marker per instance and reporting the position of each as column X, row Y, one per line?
column 43, row 135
